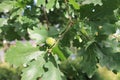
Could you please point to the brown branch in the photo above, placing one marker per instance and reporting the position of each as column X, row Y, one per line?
column 46, row 18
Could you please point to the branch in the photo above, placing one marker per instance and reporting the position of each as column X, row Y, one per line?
column 46, row 18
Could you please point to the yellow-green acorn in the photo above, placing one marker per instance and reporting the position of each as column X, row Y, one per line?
column 50, row 41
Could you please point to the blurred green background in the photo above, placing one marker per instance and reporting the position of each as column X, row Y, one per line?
column 9, row 73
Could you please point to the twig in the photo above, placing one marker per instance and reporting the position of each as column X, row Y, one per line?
column 46, row 18
column 70, row 23
column 61, row 37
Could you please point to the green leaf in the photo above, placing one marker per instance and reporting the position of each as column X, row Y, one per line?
column 113, row 44
column 53, row 31
column 74, row 4
column 108, row 58
column 50, row 4
column 40, row 2
column 17, row 12
column 88, row 64
column 21, row 54
column 53, row 73
column 34, row 70
column 95, row 2
column 108, row 29
column 99, row 29
column 89, row 43
column 57, row 4
column 38, row 34
column 3, row 21
column 67, row 51
column 100, row 13
column 6, row 6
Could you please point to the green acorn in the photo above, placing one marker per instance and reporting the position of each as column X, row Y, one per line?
column 50, row 41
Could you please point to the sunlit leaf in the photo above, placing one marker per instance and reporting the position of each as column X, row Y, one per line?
column 21, row 54
column 95, row 2
column 6, row 6
column 74, row 4
column 53, row 73
column 38, row 34
column 34, row 70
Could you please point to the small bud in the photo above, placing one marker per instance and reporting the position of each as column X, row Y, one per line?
column 100, row 27
column 96, row 33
